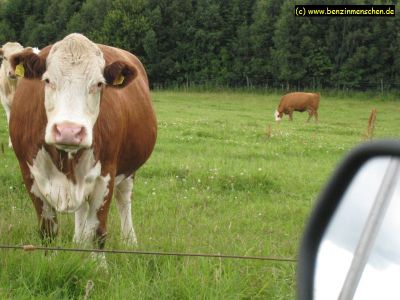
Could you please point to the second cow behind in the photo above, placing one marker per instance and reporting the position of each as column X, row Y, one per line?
column 298, row 101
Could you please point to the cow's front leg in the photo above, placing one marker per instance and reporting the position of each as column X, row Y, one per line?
column 47, row 218
column 290, row 114
column 46, row 215
column 102, row 214
column 93, row 227
column 80, row 224
column 87, row 221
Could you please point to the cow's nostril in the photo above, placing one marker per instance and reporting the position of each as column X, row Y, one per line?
column 56, row 131
column 80, row 134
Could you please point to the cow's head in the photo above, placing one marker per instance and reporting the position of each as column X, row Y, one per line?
column 6, row 51
column 278, row 115
column 74, row 73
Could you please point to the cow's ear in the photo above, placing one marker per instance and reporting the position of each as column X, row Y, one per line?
column 1, row 53
column 119, row 74
column 28, row 64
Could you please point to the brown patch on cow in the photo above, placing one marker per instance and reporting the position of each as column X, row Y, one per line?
column 34, row 64
column 29, row 120
column 112, row 73
column 63, row 161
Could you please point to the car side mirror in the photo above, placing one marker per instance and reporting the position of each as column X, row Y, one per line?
column 351, row 245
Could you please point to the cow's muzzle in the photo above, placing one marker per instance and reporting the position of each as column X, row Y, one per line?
column 68, row 134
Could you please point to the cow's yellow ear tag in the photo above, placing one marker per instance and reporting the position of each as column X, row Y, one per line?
column 20, row 70
column 119, row 80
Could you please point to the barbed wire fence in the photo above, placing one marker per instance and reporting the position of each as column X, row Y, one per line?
column 30, row 248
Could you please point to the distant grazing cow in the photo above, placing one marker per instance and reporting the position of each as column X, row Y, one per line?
column 8, row 79
column 82, row 123
column 298, row 101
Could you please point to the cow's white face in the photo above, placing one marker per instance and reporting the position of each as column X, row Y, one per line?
column 278, row 116
column 74, row 72
column 73, row 83
column 6, row 51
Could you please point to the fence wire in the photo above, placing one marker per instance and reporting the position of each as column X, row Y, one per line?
column 29, row 248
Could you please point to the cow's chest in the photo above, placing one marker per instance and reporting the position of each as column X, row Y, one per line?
column 64, row 195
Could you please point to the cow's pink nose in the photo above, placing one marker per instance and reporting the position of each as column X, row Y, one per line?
column 68, row 134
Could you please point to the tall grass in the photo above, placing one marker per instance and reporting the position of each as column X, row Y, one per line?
column 223, row 178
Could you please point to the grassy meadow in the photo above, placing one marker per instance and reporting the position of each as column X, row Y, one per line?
column 223, row 178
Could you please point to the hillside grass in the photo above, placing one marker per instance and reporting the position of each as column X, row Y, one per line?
column 223, row 178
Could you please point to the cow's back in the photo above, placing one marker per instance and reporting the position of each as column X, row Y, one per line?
column 300, row 100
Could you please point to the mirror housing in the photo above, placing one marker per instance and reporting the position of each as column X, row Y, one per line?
column 326, row 205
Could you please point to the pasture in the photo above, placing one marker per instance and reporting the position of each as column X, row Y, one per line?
column 223, row 178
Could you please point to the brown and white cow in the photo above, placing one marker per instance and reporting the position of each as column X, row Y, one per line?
column 82, row 123
column 298, row 101
column 8, row 79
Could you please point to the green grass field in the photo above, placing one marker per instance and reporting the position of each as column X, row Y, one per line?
column 223, row 178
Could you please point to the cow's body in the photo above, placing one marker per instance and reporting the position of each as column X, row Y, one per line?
column 298, row 101
column 83, row 180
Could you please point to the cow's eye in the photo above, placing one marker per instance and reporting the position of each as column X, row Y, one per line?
column 95, row 88
column 49, row 83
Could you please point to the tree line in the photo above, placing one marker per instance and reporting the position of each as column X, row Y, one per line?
column 222, row 42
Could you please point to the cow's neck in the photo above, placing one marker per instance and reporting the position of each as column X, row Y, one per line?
column 64, row 162
column 66, row 183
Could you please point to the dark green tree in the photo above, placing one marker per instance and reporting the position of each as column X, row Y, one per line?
column 89, row 19
column 172, row 33
column 265, row 15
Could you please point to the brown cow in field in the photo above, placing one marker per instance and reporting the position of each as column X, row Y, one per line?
column 82, row 123
column 298, row 101
column 8, row 79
